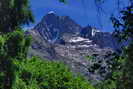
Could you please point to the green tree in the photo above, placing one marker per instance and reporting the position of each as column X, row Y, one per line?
column 124, row 30
column 12, row 45
column 13, row 14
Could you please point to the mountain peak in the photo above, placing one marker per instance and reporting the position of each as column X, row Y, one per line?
column 51, row 12
column 62, row 39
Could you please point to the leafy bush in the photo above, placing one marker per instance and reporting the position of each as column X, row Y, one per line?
column 41, row 74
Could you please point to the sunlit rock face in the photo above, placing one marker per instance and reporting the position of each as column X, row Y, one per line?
column 59, row 38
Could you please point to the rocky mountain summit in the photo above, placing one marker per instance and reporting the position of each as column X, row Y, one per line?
column 85, row 50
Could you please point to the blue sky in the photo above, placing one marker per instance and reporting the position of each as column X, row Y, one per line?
column 83, row 12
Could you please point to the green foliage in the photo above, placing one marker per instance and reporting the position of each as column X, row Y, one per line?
column 2, row 42
column 106, row 84
column 123, row 26
column 127, row 78
column 124, row 31
column 113, row 81
column 90, row 57
column 41, row 74
column 17, row 44
column 14, row 13
column 12, row 45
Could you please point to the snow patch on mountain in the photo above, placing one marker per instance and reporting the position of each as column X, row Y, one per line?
column 79, row 39
column 51, row 12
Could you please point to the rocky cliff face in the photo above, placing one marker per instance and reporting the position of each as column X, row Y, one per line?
column 53, row 27
column 59, row 38
column 103, row 39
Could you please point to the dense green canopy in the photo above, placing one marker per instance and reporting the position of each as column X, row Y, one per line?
column 14, row 13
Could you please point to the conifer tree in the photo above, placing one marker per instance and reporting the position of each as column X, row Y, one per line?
column 13, row 14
